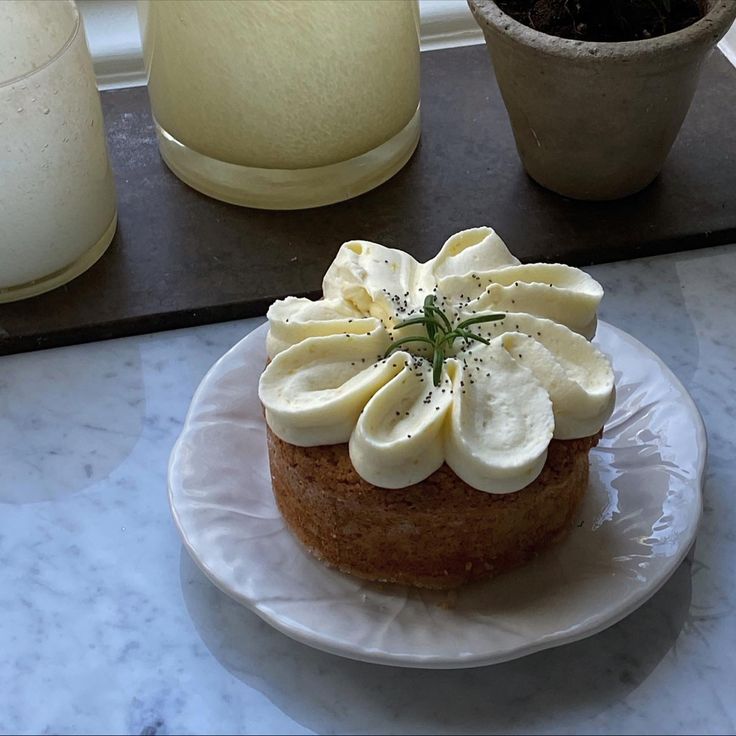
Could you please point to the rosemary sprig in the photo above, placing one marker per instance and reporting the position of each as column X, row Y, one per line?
column 440, row 333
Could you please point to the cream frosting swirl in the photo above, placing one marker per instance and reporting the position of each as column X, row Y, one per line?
column 497, row 405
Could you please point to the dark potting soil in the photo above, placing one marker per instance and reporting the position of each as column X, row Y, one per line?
column 604, row 20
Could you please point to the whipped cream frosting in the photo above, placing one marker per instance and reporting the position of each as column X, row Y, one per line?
column 498, row 405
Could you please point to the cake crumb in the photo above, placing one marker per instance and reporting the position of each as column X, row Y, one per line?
column 448, row 602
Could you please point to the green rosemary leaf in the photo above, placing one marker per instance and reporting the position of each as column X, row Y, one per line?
column 440, row 333
column 415, row 321
column 404, row 340
column 449, row 337
column 479, row 319
column 437, row 361
column 431, row 324
column 468, row 335
column 439, row 313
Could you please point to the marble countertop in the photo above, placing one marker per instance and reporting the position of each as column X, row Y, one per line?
column 107, row 626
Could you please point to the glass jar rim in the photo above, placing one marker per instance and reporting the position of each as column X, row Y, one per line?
column 58, row 54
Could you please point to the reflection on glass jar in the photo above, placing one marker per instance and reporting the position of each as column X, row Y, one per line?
column 57, row 196
column 283, row 104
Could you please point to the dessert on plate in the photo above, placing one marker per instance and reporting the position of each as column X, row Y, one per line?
column 429, row 423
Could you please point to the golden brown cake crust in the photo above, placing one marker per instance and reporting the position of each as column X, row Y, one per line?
column 439, row 533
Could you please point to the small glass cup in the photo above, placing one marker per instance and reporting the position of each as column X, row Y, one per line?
column 283, row 105
column 57, row 195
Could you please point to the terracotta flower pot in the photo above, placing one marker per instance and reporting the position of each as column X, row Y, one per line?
column 597, row 120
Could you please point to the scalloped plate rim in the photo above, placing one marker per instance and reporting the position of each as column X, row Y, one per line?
column 594, row 624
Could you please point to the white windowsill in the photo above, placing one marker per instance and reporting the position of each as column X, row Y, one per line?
column 112, row 32
column 114, row 42
column 728, row 45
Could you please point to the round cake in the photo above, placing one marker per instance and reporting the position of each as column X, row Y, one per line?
column 429, row 423
column 439, row 533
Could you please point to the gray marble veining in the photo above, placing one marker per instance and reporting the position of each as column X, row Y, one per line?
column 106, row 624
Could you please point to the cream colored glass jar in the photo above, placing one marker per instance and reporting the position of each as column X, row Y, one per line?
column 57, row 196
column 283, row 103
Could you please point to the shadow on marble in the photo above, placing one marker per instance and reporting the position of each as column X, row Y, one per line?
column 667, row 328
column 326, row 693
column 67, row 423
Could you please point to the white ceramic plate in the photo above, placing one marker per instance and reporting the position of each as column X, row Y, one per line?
column 637, row 523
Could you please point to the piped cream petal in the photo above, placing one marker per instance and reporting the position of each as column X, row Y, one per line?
column 398, row 439
column 501, row 421
column 551, row 290
column 577, row 376
column 295, row 319
column 377, row 281
column 313, row 392
column 470, row 251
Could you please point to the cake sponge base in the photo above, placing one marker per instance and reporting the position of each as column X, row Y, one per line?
column 440, row 533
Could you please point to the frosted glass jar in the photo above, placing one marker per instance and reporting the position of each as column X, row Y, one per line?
column 57, row 197
column 283, row 104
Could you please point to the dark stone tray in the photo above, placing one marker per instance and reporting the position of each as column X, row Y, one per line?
column 181, row 259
